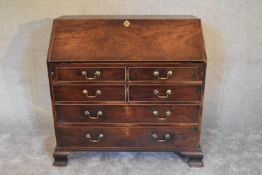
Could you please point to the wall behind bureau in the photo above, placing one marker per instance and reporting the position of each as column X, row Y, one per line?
column 232, row 30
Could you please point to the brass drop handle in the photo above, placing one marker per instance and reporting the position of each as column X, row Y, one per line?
column 99, row 114
column 168, row 92
column 168, row 74
column 96, row 75
column 98, row 139
column 155, row 114
column 85, row 92
column 166, row 137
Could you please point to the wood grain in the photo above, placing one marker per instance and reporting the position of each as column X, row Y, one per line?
column 127, row 137
column 178, row 74
column 182, row 93
column 74, row 74
column 127, row 114
column 109, row 40
column 75, row 93
column 126, row 58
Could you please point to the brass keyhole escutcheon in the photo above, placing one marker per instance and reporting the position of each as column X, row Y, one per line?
column 126, row 23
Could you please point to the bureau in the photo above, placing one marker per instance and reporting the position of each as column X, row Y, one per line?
column 127, row 83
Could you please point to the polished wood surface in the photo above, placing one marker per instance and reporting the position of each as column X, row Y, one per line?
column 128, row 137
column 178, row 74
column 75, row 93
column 76, row 74
column 143, row 40
column 143, row 92
column 126, row 114
column 127, row 83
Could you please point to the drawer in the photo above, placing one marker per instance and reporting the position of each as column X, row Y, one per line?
column 164, row 74
column 89, row 93
column 135, row 137
column 87, row 74
column 127, row 114
column 164, row 93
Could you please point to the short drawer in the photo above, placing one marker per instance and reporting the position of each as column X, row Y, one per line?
column 164, row 74
column 135, row 137
column 87, row 74
column 89, row 92
column 140, row 114
column 164, row 93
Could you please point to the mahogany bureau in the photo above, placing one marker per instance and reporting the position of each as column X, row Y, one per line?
column 127, row 83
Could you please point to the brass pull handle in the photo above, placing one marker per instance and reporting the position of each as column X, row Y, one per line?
column 98, row 115
column 168, row 74
column 98, row 139
column 168, row 92
column 166, row 137
column 96, row 75
column 85, row 92
column 155, row 114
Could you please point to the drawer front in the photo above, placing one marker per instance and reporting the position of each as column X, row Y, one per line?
column 164, row 93
column 127, row 114
column 174, row 74
column 87, row 74
column 135, row 137
column 89, row 93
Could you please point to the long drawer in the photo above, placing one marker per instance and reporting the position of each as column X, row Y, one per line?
column 127, row 114
column 164, row 93
column 135, row 137
column 89, row 92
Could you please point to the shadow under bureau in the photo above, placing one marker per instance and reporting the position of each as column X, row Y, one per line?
column 127, row 83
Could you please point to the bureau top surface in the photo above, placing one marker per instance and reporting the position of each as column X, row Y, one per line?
column 126, row 39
